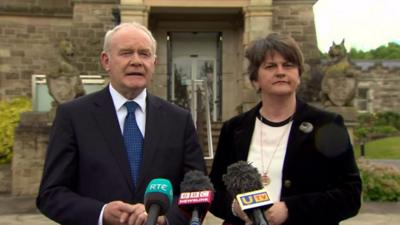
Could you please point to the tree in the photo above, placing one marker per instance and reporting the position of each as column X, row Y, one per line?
column 389, row 51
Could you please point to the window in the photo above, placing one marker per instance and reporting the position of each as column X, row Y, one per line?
column 363, row 99
column 41, row 99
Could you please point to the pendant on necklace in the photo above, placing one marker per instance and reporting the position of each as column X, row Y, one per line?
column 265, row 179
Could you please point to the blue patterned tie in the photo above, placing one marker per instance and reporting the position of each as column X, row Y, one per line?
column 133, row 140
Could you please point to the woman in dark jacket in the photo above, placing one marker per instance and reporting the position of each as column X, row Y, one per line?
column 304, row 154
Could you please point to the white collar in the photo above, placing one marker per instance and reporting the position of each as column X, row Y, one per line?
column 120, row 100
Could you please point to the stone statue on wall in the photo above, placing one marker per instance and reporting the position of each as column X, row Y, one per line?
column 338, row 86
column 64, row 83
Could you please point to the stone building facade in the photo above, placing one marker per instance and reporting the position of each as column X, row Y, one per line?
column 378, row 85
column 199, row 42
column 31, row 30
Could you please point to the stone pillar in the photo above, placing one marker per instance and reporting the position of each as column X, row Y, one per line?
column 258, row 20
column 91, row 19
column 258, row 23
column 296, row 18
column 30, row 144
column 134, row 10
column 137, row 11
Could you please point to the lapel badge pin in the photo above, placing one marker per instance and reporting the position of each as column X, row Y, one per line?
column 306, row 127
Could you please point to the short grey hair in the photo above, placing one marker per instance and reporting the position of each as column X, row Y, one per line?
column 110, row 34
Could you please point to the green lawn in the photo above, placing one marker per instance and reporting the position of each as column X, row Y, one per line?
column 385, row 148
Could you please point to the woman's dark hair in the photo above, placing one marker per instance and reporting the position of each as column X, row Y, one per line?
column 273, row 43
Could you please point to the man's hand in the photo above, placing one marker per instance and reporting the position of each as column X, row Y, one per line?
column 137, row 217
column 120, row 213
column 115, row 212
column 277, row 214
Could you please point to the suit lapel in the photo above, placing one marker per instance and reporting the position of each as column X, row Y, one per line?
column 106, row 117
column 296, row 136
column 244, row 133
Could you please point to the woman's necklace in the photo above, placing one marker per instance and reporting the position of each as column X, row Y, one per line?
column 265, row 179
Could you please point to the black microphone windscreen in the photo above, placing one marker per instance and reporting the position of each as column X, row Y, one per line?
column 242, row 177
column 195, row 180
column 156, row 198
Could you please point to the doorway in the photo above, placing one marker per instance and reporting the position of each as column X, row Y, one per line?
column 194, row 77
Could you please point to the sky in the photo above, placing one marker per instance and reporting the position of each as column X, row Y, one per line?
column 364, row 24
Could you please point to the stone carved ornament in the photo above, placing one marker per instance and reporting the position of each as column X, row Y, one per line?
column 64, row 83
column 338, row 87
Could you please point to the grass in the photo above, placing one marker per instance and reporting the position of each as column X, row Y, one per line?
column 385, row 148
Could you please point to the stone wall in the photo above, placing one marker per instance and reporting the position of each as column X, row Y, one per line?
column 36, row 7
column 5, row 179
column 296, row 18
column 383, row 82
column 30, row 144
column 26, row 46
column 90, row 22
column 31, row 30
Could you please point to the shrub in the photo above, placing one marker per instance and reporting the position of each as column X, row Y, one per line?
column 387, row 118
column 380, row 182
column 372, row 133
column 10, row 115
column 375, row 126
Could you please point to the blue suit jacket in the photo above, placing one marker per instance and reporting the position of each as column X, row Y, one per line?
column 86, row 164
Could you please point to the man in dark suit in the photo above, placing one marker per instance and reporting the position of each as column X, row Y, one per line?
column 87, row 176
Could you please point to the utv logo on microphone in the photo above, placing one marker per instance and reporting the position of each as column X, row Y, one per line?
column 253, row 199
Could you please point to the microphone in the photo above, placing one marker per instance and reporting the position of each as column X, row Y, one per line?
column 197, row 193
column 243, row 181
column 157, row 199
